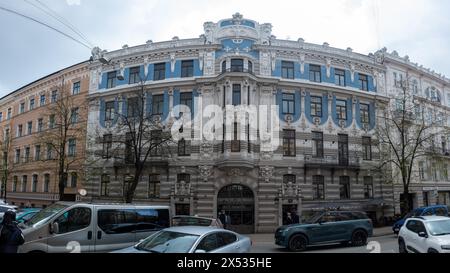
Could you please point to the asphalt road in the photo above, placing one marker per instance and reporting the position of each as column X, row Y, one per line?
column 384, row 244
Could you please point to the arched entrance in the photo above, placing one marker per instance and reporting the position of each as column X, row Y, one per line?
column 238, row 202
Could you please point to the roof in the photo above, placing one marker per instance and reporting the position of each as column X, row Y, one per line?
column 195, row 230
column 431, row 218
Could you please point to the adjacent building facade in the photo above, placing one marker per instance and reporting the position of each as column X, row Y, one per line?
column 31, row 166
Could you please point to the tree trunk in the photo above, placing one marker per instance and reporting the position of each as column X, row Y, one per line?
column 130, row 191
column 62, row 185
column 404, row 202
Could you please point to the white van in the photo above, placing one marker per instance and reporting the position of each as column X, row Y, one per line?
column 81, row 227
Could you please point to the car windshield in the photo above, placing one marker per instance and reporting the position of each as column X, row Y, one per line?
column 191, row 221
column 168, row 242
column 313, row 219
column 439, row 228
column 42, row 216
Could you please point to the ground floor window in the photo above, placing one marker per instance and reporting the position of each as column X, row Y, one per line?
column 182, row 209
column 154, row 185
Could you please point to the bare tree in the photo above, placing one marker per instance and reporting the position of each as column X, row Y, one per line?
column 405, row 135
column 66, row 131
column 136, row 137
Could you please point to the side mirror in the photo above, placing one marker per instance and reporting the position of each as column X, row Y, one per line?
column 54, row 228
column 423, row 235
column 200, row 251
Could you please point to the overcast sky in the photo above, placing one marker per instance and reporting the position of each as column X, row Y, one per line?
column 28, row 51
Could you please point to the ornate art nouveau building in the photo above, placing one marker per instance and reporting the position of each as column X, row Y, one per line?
column 328, row 102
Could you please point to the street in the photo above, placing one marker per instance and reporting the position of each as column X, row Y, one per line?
column 383, row 244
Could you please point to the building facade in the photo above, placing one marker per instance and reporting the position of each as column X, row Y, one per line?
column 328, row 101
column 28, row 117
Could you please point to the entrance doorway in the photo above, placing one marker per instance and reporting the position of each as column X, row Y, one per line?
column 238, row 202
column 182, row 209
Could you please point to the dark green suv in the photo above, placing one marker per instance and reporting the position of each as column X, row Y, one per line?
column 326, row 228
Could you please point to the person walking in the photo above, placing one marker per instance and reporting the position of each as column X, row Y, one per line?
column 11, row 236
column 223, row 218
column 295, row 218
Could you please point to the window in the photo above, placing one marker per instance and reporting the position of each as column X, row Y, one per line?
column 316, row 107
column 40, row 126
column 37, row 152
column 224, row 66
column 15, row 182
column 289, row 143
column 74, row 220
column 287, row 70
column 422, row 170
column 107, row 145
column 317, row 139
column 74, row 115
column 73, row 180
column 133, row 107
column 6, row 136
column 368, row 187
column 184, row 177
column 46, row 183
column 289, row 178
column 19, row 130
column 22, row 108
column 184, row 148
column 104, row 191
column 344, row 187
column 186, row 99
column 343, row 150
column 156, row 137
column 158, row 105
column 112, row 76
column 209, row 243
column 236, row 143
column 9, row 114
column 109, row 110
column 187, row 69
column 318, row 187
column 134, row 75
column 42, row 100
column 364, row 112
column 341, row 109
column 288, row 104
column 76, row 88
column 1, row 116
column 17, row 157
column 339, row 77
column 27, row 154
column 237, row 65
column 250, row 66
column 129, row 148
column 52, row 122
column 159, row 73
column 72, row 147
column 363, row 82
column 32, row 104
column 54, row 96
column 315, row 73
column 49, row 152
column 237, row 94
column 367, row 148
column 34, row 183
column 154, row 185
column 29, row 127
column 24, row 183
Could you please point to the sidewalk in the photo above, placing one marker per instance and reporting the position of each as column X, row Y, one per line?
column 269, row 237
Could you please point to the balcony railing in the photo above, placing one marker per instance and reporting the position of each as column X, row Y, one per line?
column 238, row 70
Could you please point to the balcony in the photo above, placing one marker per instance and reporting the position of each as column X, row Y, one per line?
column 332, row 162
column 237, row 70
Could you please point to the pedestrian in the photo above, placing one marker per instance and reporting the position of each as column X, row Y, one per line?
column 295, row 218
column 289, row 220
column 223, row 218
column 11, row 236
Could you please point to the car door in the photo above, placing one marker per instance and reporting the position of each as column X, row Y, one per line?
column 227, row 242
column 208, row 243
column 322, row 231
column 74, row 232
column 411, row 235
column 421, row 242
column 115, row 228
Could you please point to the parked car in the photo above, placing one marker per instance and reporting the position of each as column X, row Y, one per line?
column 192, row 239
column 182, row 220
column 425, row 234
column 95, row 227
column 326, row 228
column 26, row 214
column 437, row 210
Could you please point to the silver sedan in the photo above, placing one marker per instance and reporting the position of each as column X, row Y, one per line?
column 192, row 239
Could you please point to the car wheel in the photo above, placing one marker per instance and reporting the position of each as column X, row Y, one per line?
column 359, row 238
column 298, row 243
column 402, row 247
column 431, row 250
